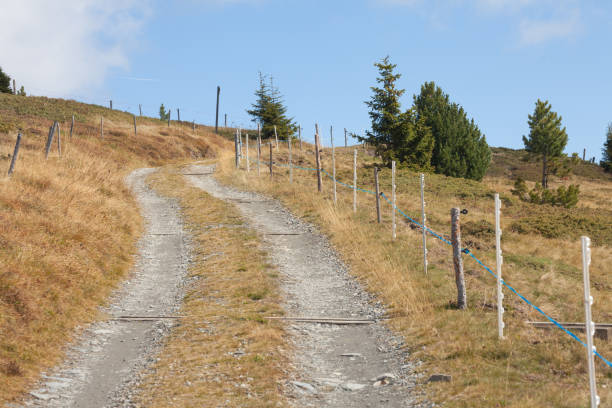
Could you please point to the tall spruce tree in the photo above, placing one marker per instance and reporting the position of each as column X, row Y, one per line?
column 396, row 135
column 460, row 149
column 5, row 82
column 546, row 137
column 269, row 110
column 606, row 161
column 163, row 115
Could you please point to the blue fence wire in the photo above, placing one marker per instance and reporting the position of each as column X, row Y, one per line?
column 465, row 250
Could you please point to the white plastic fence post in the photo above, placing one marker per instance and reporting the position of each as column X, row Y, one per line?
column 331, row 134
column 354, row 180
column 393, row 226
column 290, row 160
column 423, row 223
column 247, row 154
column 276, row 137
column 590, row 326
column 498, row 270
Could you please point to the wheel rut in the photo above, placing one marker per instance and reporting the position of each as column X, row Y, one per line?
column 334, row 365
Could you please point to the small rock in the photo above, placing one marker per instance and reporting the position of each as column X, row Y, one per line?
column 41, row 396
column 385, row 376
column 440, row 378
column 352, row 386
column 304, row 386
column 351, row 355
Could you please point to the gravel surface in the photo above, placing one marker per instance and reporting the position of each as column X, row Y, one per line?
column 334, row 365
column 105, row 363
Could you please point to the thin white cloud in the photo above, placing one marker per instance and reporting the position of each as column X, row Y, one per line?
column 62, row 46
column 533, row 32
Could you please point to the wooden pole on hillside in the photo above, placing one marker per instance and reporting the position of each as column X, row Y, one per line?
column 423, row 223
column 178, row 115
column 49, row 141
column 290, row 160
column 270, row 159
column 140, row 109
column 247, row 154
column 15, row 153
column 457, row 258
column 217, row 111
column 225, row 121
column 331, row 134
column 193, row 126
column 498, row 268
column 258, row 147
column 102, row 127
column 318, row 159
column 393, row 206
column 378, row 214
column 169, row 114
column 59, row 139
column 276, row 137
column 135, row 130
column 111, row 104
column 14, row 88
column 300, row 136
column 354, row 180
column 236, row 149
column 345, row 139
column 71, row 127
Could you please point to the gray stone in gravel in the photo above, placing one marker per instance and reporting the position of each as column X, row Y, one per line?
column 304, row 386
column 440, row 378
column 352, row 386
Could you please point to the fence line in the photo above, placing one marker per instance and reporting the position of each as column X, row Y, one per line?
column 465, row 251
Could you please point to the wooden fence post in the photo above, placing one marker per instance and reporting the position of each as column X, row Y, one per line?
column 290, row 160
column 111, row 104
column 14, row 88
column 135, row 130
column 258, row 147
column 59, row 139
column 393, row 226
column 331, row 134
column 169, row 113
column 178, row 115
column 15, row 153
column 217, row 111
column 300, row 136
column 423, row 223
column 270, row 159
column 49, row 140
column 589, row 325
column 276, row 137
column 354, row 180
column 193, row 126
column 318, row 159
column 236, row 149
column 102, row 127
column 457, row 258
column 378, row 215
column 499, row 261
column 225, row 121
column 248, row 165
column 71, row 127
column 140, row 109
column 345, row 139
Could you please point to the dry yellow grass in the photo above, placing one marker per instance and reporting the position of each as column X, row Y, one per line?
column 68, row 225
column 234, row 289
column 530, row 368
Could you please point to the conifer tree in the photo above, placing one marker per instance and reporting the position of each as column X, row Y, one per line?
column 5, row 82
column 606, row 161
column 396, row 135
column 546, row 137
column 163, row 115
column 269, row 110
column 460, row 150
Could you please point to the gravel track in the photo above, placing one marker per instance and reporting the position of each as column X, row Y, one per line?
column 334, row 366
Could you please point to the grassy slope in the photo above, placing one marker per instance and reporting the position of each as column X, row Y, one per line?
column 68, row 226
column 233, row 289
column 529, row 368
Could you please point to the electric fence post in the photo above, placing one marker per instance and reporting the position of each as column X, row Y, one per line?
column 499, row 261
column 318, row 159
column 590, row 326
column 290, row 160
column 423, row 222
column 258, row 147
column 331, row 134
column 355, row 180
column 393, row 226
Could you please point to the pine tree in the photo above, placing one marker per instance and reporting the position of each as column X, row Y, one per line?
column 269, row 110
column 460, row 149
column 606, row 161
column 163, row 115
column 396, row 135
column 5, row 82
column 22, row 91
column 546, row 137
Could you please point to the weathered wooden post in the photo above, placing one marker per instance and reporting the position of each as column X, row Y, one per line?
column 331, row 134
column 457, row 258
column 423, row 223
column 15, row 153
column 236, row 149
column 14, row 88
column 111, row 104
column 354, row 180
column 240, row 143
column 270, row 144
column 102, row 127
column 217, row 114
column 589, row 325
column 178, row 115
column 193, row 125
column 378, row 215
column 140, row 109
column 300, row 136
column 318, row 159
column 49, row 140
column 59, row 139
column 258, row 147
column 498, row 270
column 225, row 121
column 345, row 139
column 135, row 130
column 393, row 226
column 276, row 137
column 169, row 112
column 248, row 165
column 290, row 160
column 71, row 127
column 584, row 154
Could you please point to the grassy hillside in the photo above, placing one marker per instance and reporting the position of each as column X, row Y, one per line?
column 68, row 225
column 530, row 368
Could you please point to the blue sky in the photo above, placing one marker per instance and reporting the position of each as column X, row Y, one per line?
column 494, row 57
